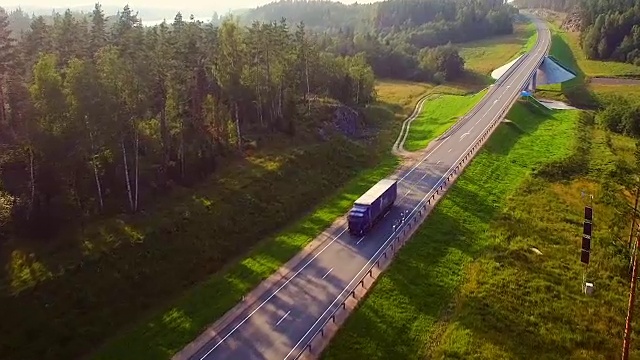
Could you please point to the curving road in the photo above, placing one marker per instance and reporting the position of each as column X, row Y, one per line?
column 282, row 320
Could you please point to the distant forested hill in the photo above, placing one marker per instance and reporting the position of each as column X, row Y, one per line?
column 424, row 22
column 397, row 37
column 610, row 29
column 403, row 39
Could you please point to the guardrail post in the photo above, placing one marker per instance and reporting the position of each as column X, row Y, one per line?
column 344, row 306
column 333, row 318
column 353, row 294
column 322, row 331
column 361, row 283
column 309, row 347
column 371, row 273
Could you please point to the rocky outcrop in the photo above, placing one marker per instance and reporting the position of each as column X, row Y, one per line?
column 572, row 22
column 348, row 121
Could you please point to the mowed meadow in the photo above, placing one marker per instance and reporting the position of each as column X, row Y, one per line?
column 494, row 272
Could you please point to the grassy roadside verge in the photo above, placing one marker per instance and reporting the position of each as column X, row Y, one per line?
column 165, row 332
column 469, row 286
column 438, row 114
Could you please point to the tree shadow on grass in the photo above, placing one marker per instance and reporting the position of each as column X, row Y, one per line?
column 529, row 305
column 574, row 90
column 419, row 284
column 527, row 119
column 69, row 314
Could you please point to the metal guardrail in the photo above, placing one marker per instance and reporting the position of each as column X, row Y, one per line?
column 491, row 88
column 399, row 235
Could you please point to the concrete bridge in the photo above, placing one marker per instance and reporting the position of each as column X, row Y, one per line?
column 549, row 71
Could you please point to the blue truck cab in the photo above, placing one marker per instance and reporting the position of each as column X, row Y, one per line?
column 371, row 206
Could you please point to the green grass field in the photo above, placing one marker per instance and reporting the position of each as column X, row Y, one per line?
column 401, row 95
column 484, row 56
column 438, row 114
column 579, row 91
column 596, row 68
column 468, row 285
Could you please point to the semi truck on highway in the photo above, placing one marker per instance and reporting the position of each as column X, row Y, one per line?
column 371, row 206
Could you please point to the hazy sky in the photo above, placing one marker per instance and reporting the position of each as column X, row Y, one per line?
column 214, row 5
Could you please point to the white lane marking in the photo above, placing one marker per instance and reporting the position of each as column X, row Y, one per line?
column 376, row 253
column 330, row 243
column 449, row 150
column 463, row 135
column 325, row 275
column 439, row 161
column 278, row 290
column 285, row 315
column 358, row 242
column 407, row 193
column 423, row 159
column 390, row 237
column 271, row 296
column 283, row 285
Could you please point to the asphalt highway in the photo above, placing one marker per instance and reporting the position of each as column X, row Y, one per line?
column 281, row 322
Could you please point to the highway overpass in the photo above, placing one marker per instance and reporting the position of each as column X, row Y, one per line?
column 550, row 71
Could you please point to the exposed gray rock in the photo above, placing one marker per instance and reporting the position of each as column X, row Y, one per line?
column 348, row 121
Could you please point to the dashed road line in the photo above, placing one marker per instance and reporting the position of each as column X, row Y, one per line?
column 281, row 319
column 325, row 275
column 333, row 240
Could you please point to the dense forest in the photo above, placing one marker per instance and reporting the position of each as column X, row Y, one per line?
column 93, row 123
column 555, row 5
column 610, row 30
column 97, row 119
column 397, row 36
